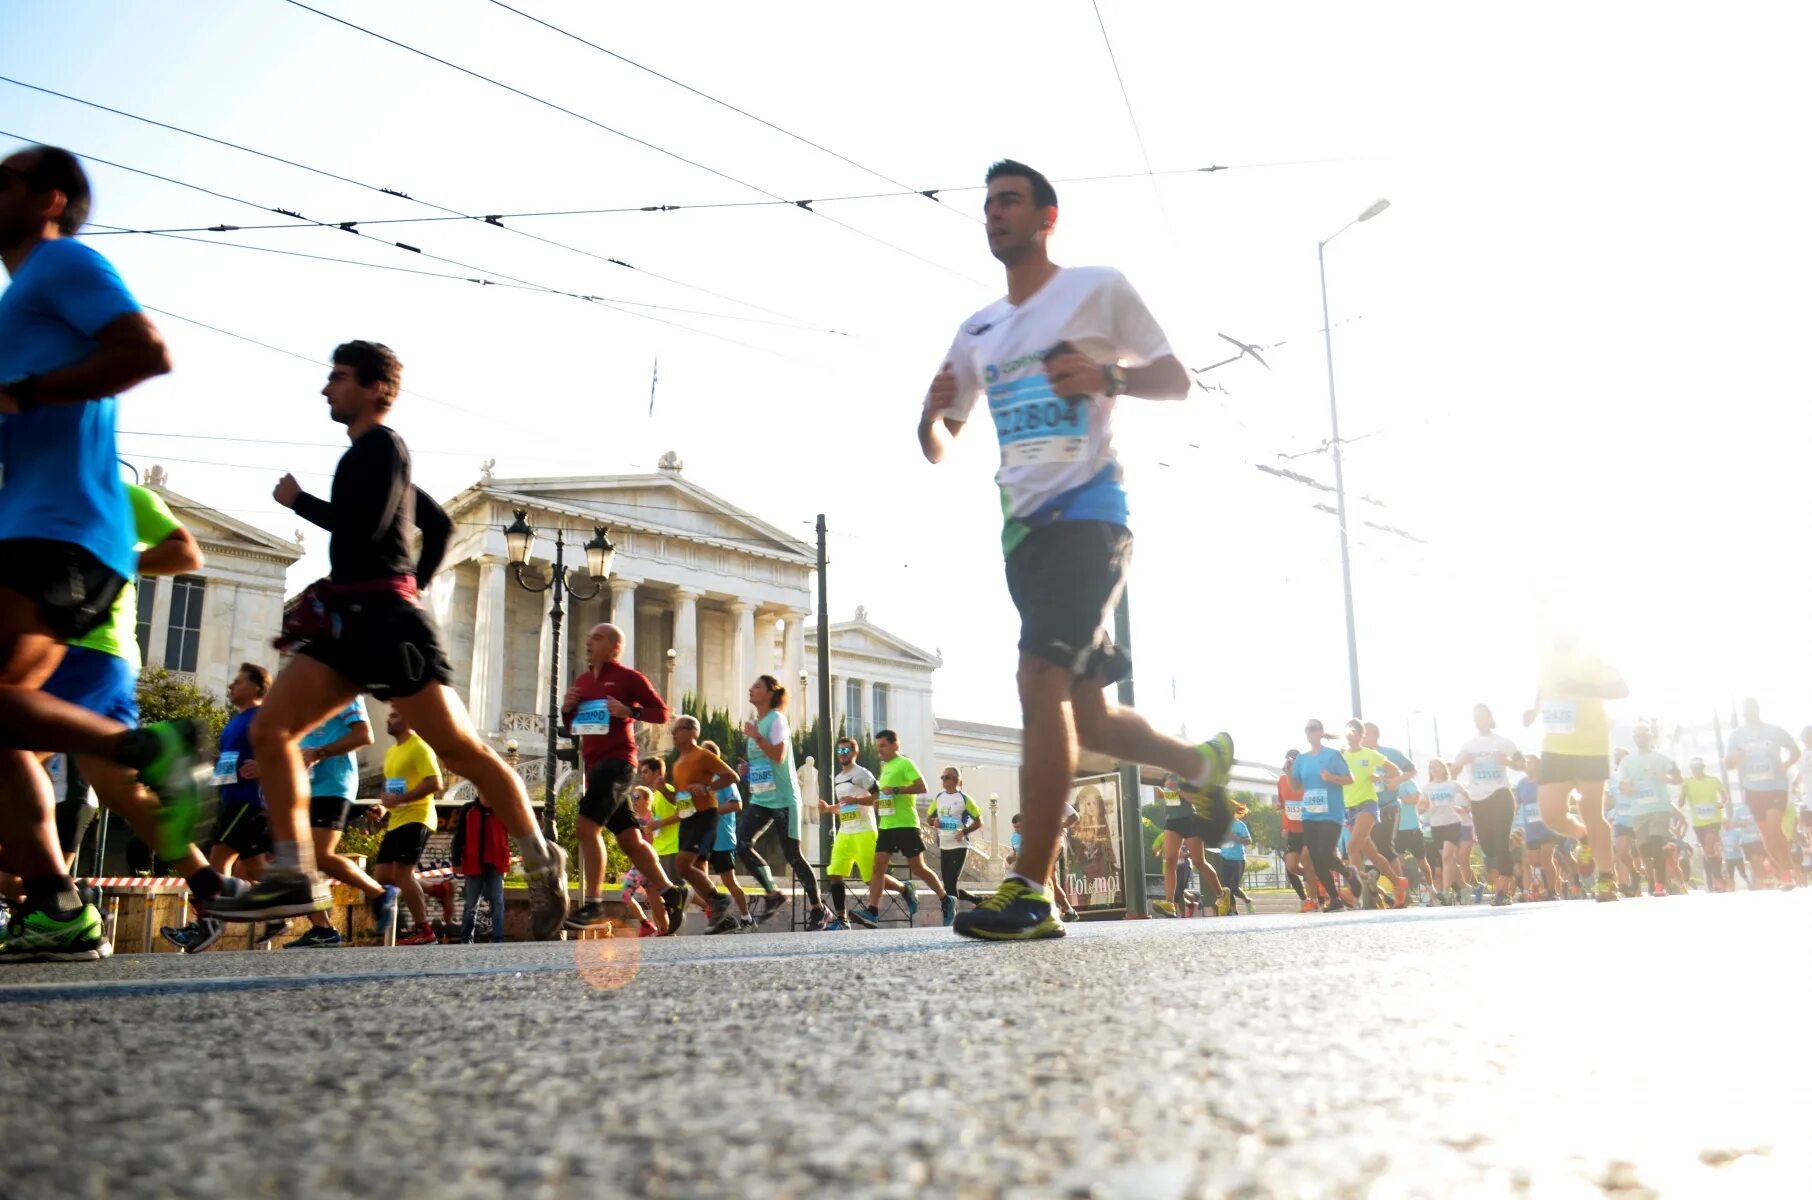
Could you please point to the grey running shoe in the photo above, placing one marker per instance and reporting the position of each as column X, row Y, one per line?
column 547, row 897
column 279, row 895
column 723, row 916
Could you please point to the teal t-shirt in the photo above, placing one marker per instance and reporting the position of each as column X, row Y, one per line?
column 772, row 784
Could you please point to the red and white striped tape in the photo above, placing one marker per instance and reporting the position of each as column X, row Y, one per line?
column 133, row 883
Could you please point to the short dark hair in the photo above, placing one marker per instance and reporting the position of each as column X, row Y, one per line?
column 890, row 735
column 258, row 675
column 1043, row 194
column 57, row 170
column 656, row 765
column 372, row 362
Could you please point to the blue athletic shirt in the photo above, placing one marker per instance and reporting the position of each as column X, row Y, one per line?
column 726, row 821
column 337, row 776
column 1408, row 817
column 1234, row 850
column 1321, row 801
column 235, row 751
column 59, row 465
column 1391, row 795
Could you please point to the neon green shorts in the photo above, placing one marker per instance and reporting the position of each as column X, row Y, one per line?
column 852, row 850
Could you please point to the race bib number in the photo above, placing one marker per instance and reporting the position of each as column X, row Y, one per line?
column 226, row 769
column 1441, row 797
column 592, row 719
column 1705, row 812
column 396, row 787
column 761, row 774
column 1757, row 769
column 1293, row 809
column 849, row 812
column 1231, row 849
column 1625, row 803
column 1488, row 774
column 1035, row 425
column 684, row 809
column 1560, row 716
column 949, row 824
column 1315, row 802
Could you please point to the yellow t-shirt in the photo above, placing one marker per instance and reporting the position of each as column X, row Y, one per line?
column 1363, row 765
column 1702, row 800
column 406, row 764
column 1579, row 726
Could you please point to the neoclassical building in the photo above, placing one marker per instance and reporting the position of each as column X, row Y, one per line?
column 202, row 626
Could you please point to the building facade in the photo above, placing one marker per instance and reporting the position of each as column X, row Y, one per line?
column 202, row 626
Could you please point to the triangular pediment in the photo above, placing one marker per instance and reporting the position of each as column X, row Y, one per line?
column 662, row 503
column 210, row 525
column 862, row 637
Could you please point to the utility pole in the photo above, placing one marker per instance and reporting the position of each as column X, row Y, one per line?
column 826, row 777
column 1132, row 833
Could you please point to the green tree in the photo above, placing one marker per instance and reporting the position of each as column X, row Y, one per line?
column 165, row 697
column 1264, row 822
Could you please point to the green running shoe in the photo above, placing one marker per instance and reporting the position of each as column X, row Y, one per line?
column 179, row 778
column 1016, row 912
column 36, row 936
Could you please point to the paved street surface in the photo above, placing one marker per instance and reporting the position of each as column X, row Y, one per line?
column 1650, row 1047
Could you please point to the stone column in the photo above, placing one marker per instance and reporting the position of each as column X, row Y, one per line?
column 622, row 615
column 742, row 653
column 762, row 661
column 685, row 642
column 794, row 656
column 160, row 622
column 487, row 645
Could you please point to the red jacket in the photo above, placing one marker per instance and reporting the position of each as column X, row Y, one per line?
column 628, row 686
column 480, row 841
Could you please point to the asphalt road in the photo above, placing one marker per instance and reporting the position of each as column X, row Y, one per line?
column 1650, row 1047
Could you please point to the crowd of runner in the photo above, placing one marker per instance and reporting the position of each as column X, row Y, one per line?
column 1052, row 358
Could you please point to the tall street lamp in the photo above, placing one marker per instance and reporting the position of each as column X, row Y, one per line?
column 1346, row 562
column 599, row 554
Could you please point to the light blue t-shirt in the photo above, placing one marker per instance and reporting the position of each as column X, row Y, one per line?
column 1390, row 795
column 1407, row 817
column 726, row 821
column 337, row 776
column 1321, row 801
column 1761, row 769
column 59, row 464
column 1649, row 773
column 1233, row 849
column 1742, row 824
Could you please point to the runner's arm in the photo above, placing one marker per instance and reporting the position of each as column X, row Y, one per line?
column 437, row 530
column 128, row 350
column 429, row 786
column 357, row 738
column 172, row 556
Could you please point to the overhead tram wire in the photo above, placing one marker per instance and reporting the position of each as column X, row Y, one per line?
column 356, row 262
column 450, row 214
column 931, row 195
column 806, row 205
column 1132, row 117
column 528, row 283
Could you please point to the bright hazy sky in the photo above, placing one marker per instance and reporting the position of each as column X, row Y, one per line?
column 1571, row 345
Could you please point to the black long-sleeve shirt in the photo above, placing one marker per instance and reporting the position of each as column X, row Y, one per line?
column 371, row 511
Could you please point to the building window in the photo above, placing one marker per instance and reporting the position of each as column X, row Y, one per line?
column 147, row 600
column 852, row 707
column 879, row 708
column 184, row 638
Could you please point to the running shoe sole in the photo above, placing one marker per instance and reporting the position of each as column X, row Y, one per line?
column 548, row 899
column 1041, row 931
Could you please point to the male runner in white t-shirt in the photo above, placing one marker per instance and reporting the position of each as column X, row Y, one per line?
column 1054, row 357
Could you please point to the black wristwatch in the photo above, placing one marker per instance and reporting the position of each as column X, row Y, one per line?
column 1115, row 375
column 24, row 391
column 635, row 712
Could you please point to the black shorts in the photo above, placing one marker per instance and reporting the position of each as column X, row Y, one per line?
column 1762, row 803
column 403, row 846
column 246, row 829
column 1065, row 579
column 723, row 861
column 606, row 799
column 73, row 589
column 904, row 841
column 698, row 833
column 329, row 812
column 1410, row 842
column 1575, row 768
column 1293, row 841
column 1187, row 825
column 384, row 644
column 1449, row 835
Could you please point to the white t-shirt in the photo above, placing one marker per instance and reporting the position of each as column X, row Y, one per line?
column 1448, row 803
column 1048, row 448
column 855, row 818
column 1489, row 770
column 1761, row 746
column 947, row 809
